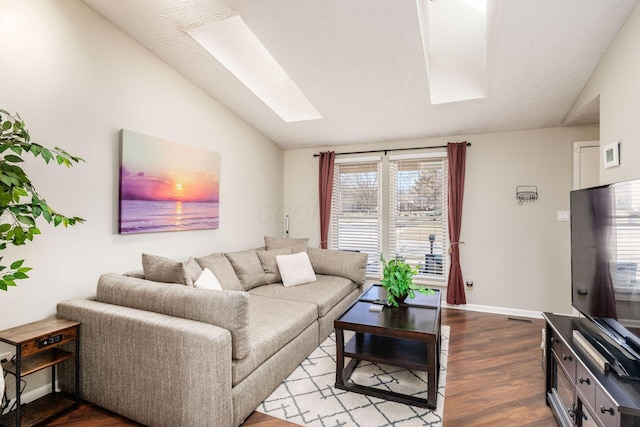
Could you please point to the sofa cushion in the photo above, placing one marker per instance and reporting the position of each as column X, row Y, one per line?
column 296, row 245
column 139, row 274
column 269, row 265
column 228, row 310
column 272, row 324
column 248, row 268
column 295, row 269
column 160, row 269
column 352, row 265
column 325, row 292
column 223, row 270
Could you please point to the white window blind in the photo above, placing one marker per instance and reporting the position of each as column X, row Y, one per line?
column 355, row 210
column 418, row 214
column 626, row 235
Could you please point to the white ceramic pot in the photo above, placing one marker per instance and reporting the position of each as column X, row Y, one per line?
column 1, row 383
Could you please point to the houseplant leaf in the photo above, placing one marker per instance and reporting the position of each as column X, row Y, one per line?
column 20, row 203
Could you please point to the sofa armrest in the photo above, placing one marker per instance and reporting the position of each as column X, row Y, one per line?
column 350, row 265
column 226, row 309
column 153, row 368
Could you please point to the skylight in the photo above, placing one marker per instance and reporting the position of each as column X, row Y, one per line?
column 458, row 38
column 235, row 46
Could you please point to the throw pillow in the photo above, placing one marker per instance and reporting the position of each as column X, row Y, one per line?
column 223, row 270
column 161, row 269
column 296, row 245
column 207, row 280
column 269, row 265
column 248, row 268
column 192, row 271
column 295, row 269
column 351, row 265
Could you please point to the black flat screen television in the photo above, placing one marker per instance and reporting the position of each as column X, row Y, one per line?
column 605, row 269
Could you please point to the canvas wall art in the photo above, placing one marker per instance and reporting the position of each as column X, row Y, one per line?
column 166, row 186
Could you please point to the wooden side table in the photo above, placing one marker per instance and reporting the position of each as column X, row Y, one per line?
column 37, row 346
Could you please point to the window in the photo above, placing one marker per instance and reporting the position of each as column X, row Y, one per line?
column 626, row 237
column 408, row 219
column 418, row 213
column 355, row 209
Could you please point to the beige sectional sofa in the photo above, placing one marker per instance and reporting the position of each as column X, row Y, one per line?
column 167, row 354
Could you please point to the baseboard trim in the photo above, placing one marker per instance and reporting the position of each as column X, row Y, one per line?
column 495, row 310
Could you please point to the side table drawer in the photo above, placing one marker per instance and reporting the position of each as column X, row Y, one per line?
column 38, row 344
column 606, row 410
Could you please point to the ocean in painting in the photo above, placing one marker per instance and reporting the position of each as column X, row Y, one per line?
column 145, row 216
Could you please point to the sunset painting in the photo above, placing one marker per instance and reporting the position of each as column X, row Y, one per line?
column 166, row 186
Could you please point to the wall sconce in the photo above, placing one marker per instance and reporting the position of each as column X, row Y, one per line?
column 526, row 193
column 286, row 226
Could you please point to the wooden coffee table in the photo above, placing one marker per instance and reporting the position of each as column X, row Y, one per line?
column 407, row 336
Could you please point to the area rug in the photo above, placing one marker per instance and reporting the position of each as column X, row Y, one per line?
column 308, row 396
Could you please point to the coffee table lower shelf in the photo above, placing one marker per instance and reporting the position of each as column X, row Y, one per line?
column 400, row 352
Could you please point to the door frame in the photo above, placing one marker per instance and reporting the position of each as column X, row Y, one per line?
column 577, row 147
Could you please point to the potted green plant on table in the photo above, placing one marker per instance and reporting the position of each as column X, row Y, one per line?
column 20, row 203
column 397, row 280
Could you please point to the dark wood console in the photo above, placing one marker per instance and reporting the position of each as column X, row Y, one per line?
column 578, row 390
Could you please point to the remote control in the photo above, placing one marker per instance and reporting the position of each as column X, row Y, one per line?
column 376, row 307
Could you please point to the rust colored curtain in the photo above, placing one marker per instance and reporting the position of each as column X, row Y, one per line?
column 327, row 160
column 457, row 154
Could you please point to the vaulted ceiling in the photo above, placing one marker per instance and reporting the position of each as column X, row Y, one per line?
column 361, row 63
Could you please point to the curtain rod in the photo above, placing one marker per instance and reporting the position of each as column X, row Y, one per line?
column 390, row 149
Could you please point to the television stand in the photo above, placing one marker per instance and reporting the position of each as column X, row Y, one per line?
column 578, row 389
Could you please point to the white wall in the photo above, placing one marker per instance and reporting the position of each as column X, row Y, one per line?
column 617, row 81
column 77, row 80
column 517, row 255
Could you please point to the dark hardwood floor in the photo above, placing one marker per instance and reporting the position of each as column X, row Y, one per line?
column 494, row 377
column 495, row 374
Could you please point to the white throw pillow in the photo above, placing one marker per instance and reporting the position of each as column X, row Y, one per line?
column 295, row 269
column 207, row 280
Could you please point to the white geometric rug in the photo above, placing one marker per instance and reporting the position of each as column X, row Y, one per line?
column 308, row 396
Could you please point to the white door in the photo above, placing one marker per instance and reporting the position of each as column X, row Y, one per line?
column 586, row 169
column 586, row 164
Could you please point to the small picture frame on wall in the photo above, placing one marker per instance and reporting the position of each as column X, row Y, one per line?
column 612, row 155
